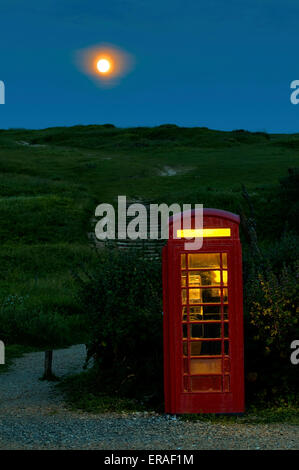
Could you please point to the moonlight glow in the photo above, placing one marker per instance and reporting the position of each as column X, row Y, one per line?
column 103, row 65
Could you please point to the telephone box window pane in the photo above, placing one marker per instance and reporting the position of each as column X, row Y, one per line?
column 224, row 278
column 226, row 348
column 184, row 313
column 185, row 366
column 195, row 296
column 184, row 296
column 205, row 278
column 185, row 335
column 183, row 278
column 211, row 312
column 224, row 260
column 205, row 312
column 204, row 260
column 185, row 348
column 211, row 295
column 226, row 383
column 183, row 261
column 206, row 383
column 205, row 330
column 225, row 295
column 196, row 313
column 205, row 348
column 196, row 331
column 194, row 279
column 206, row 296
column 225, row 312
column 225, row 330
column 210, row 365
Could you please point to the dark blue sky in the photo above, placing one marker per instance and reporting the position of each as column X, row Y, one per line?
column 223, row 64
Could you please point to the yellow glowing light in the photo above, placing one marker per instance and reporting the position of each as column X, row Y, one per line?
column 103, row 65
column 205, row 233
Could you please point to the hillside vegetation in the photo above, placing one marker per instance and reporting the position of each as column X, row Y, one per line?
column 51, row 180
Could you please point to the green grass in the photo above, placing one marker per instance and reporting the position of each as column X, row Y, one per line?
column 49, row 191
column 50, row 188
column 82, row 392
column 263, row 415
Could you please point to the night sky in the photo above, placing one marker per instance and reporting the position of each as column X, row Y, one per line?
column 222, row 64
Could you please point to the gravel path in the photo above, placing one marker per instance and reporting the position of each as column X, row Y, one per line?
column 34, row 416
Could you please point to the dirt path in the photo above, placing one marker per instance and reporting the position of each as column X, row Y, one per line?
column 33, row 416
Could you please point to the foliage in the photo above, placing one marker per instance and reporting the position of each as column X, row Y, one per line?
column 274, row 309
column 123, row 305
column 289, row 192
column 271, row 324
column 86, row 392
column 20, row 325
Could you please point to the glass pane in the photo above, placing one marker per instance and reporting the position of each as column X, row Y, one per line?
column 205, row 366
column 205, row 348
column 205, row 312
column 185, row 366
column 196, row 313
column 185, row 348
column 206, row 384
column 225, row 295
column 226, row 348
column 211, row 295
column 184, row 313
column 204, row 260
column 183, row 261
column 205, row 330
column 225, row 312
column 195, row 296
column 185, row 331
column 205, row 278
column 225, row 330
column 184, row 296
column 224, row 260
column 183, row 278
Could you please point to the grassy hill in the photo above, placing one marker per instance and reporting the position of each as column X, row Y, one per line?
column 51, row 180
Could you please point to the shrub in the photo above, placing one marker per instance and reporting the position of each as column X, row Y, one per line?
column 272, row 324
column 289, row 193
column 123, row 304
column 38, row 328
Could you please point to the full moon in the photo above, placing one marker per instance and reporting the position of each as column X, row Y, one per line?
column 103, row 65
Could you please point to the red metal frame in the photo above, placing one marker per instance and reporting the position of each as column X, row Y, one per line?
column 185, row 400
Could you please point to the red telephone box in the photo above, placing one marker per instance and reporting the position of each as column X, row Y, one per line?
column 203, row 319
